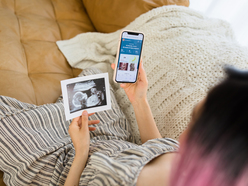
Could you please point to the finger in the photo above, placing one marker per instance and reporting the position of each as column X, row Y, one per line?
column 91, row 114
column 113, row 66
column 75, row 121
column 93, row 122
column 84, row 118
column 80, row 121
column 141, row 67
column 125, row 85
column 142, row 73
column 92, row 128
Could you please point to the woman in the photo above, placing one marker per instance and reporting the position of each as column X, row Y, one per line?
column 216, row 149
column 213, row 148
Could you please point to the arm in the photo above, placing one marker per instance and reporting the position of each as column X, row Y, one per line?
column 147, row 126
column 79, row 132
column 136, row 93
column 76, row 169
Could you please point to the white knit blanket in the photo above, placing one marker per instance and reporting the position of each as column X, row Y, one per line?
column 183, row 55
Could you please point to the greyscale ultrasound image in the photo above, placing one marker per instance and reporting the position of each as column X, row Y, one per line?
column 86, row 94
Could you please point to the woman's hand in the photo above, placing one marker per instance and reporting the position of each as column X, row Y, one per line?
column 136, row 91
column 79, row 132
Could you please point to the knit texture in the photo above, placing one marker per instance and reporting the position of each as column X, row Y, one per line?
column 183, row 55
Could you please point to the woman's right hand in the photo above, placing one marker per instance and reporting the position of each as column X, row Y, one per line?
column 136, row 91
column 79, row 132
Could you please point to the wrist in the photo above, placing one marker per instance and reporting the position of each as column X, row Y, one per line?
column 83, row 148
column 79, row 156
column 139, row 102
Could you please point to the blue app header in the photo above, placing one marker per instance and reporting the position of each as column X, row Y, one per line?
column 130, row 46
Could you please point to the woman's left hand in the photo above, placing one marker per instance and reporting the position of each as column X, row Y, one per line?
column 79, row 132
column 136, row 92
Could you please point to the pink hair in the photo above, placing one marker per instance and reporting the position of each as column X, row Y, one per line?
column 195, row 168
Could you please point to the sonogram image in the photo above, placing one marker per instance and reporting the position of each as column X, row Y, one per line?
column 86, row 94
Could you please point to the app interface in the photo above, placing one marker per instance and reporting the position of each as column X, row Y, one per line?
column 129, row 55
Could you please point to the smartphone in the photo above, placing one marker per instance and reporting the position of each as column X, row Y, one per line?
column 128, row 57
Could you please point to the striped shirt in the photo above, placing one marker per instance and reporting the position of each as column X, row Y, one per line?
column 36, row 149
column 120, row 162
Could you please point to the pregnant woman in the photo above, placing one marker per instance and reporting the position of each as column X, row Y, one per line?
column 36, row 148
column 213, row 149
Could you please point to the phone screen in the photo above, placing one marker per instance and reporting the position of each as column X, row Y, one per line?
column 129, row 57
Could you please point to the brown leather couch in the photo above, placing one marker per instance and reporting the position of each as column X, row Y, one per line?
column 31, row 65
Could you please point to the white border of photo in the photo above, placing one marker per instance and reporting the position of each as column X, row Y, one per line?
column 64, row 84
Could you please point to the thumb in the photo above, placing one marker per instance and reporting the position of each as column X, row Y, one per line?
column 85, row 118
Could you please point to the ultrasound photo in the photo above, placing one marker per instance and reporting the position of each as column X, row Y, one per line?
column 91, row 93
column 86, row 94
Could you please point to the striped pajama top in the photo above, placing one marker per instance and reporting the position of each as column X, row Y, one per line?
column 36, row 149
column 120, row 162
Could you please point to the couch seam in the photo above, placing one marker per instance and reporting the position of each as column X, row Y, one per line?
column 56, row 19
column 37, row 40
column 89, row 17
column 13, row 71
column 49, row 73
column 24, row 50
column 34, row 73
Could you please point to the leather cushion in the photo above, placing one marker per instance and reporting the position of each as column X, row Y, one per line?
column 111, row 15
column 31, row 64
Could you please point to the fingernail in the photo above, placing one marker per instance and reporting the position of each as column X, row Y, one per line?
column 85, row 113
